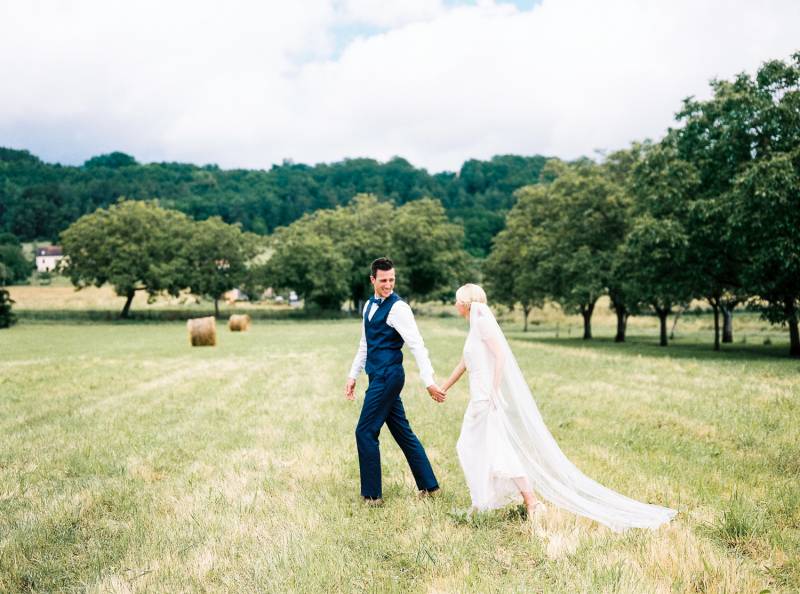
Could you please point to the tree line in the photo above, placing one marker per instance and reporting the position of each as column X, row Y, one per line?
column 39, row 200
column 710, row 212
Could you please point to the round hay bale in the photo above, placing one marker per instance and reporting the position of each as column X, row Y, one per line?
column 239, row 323
column 202, row 331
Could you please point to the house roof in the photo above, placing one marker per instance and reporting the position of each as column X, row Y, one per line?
column 49, row 250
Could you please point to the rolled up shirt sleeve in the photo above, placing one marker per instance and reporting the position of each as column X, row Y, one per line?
column 361, row 354
column 401, row 318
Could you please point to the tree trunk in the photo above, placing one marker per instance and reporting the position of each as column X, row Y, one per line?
column 586, row 312
column 662, row 318
column 526, row 309
column 622, row 315
column 127, row 308
column 716, row 324
column 216, row 308
column 794, row 339
column 727, row 324
column 622, row 323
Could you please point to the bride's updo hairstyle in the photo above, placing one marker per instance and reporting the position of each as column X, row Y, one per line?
column 469, row 294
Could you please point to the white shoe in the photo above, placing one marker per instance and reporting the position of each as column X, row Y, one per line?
column 538, row 509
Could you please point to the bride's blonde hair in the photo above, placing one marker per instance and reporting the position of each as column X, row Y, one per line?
column 470, row 293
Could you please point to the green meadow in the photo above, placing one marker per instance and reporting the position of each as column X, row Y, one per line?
column 130, row 462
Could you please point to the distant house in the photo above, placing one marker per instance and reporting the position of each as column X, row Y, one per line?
column 48, row 257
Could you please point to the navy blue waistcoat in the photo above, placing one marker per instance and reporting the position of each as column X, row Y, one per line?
column 384, row 343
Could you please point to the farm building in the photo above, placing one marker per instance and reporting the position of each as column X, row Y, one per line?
column 48, row 257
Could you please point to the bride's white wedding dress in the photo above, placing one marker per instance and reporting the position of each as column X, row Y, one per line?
column 504, row 443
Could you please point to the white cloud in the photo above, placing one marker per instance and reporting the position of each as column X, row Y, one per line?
column 379, row 13
column 250, row 83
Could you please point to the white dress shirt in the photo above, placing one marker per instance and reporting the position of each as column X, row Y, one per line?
column 401, row 318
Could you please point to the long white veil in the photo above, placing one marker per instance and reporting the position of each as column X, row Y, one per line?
column 551, row 474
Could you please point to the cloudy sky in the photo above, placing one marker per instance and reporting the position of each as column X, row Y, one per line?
column 248, row 83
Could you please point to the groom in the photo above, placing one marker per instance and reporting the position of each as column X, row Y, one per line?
column 387, row 323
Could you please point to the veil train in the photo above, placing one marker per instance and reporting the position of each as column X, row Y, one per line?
column 550, row 472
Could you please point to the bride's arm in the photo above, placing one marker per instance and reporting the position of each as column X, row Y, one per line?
column 455, row 376
column 499, row 356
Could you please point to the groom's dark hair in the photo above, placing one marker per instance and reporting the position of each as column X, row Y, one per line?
column 381, row 264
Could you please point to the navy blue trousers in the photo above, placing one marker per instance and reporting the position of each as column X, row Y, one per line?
column 382, row 404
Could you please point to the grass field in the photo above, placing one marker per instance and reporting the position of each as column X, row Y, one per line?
column 130, row 462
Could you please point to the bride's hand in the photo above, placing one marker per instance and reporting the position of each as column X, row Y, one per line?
column 436, row 393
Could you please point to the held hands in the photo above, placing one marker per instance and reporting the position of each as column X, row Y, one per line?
column 437, row 393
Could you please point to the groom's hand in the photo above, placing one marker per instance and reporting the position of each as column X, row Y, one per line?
column 436, row 393
column 350, row 389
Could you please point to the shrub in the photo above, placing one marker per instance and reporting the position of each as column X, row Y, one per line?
column 7, row 318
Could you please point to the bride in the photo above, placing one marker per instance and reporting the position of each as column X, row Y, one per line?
column 506, row 450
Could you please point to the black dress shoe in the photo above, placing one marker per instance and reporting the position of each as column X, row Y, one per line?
column 424, row 493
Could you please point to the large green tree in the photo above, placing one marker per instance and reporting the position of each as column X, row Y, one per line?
column 590, row 223
column 427, row 249
column 657, row 255
column 714, row 138
column 360, row 231
column 766, row 207
column 425, row 246
column 132, row 245
column 574, row 224
column 309, row 264
column 216, row 257
column 747, row 122
column 654, row 256
column 512, row 269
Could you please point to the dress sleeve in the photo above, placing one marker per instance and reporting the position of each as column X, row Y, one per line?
column 485, row 326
